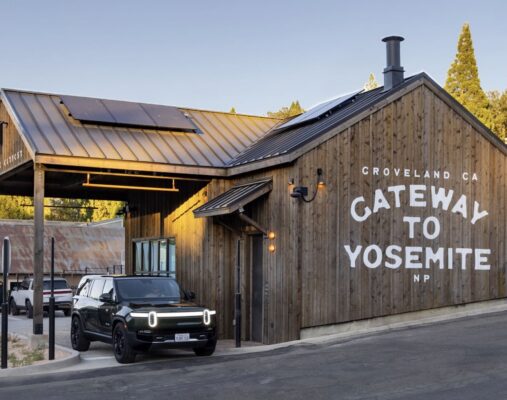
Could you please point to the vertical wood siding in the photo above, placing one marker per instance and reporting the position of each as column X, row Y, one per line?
column 13, row 150
column 307, row 280
column 421, row 133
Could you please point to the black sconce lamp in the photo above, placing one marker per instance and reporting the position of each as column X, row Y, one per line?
column 300, row 192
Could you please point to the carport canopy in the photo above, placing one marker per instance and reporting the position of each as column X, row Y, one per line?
column 75, row 147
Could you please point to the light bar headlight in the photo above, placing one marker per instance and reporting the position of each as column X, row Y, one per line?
column 154, row 316
column 152, row 319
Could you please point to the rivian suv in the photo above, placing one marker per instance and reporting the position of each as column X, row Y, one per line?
column 139, row 313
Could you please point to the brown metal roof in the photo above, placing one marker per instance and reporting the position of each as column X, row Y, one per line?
column 234, row 198
column 79, row 248
column 49, row 129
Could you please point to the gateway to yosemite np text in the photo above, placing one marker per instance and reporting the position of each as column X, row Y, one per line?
column 417, row 196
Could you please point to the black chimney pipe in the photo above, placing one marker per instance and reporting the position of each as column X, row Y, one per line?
column 393, row 72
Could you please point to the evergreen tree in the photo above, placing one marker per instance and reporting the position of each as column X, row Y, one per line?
column 286, row 112
column 463, row 79
column 232, row 111
column 498, row 108
column 371, row 84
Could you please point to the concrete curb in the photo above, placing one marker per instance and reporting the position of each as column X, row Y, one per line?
column 72, row 359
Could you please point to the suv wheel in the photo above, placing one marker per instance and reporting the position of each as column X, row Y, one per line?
column 29, row 309
column 77, row 337
column 14, row 308
column 208, row 350
column 123, row 352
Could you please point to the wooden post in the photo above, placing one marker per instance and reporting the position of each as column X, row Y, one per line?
column 38, row 248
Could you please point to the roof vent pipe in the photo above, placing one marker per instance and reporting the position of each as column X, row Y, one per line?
column 393, row 72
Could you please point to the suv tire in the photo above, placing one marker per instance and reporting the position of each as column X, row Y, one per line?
column 77, row 336
column 29, row 309
column 14, row 308
column 123, row 352
column 208, row 350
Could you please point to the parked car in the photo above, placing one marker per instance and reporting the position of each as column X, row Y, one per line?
column 140, row 313
column 21, row 297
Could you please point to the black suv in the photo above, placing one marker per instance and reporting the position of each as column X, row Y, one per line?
column 139, row 313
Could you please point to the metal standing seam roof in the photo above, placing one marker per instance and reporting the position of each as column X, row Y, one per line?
column 282, row 142
column 234, row 198
column 78, row 247
column 45, row 121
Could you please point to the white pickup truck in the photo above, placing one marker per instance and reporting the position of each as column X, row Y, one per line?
column 21, row 297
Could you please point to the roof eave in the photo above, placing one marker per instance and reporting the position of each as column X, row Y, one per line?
column 292, row 156
column 30, row 146
column 86, row 162
column 463, row 112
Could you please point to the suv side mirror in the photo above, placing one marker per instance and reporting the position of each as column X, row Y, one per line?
column 106, row 298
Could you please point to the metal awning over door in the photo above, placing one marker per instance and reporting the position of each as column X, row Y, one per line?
column 234, row 199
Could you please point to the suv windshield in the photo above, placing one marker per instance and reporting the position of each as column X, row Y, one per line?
column 146, row 288
column 58, row 285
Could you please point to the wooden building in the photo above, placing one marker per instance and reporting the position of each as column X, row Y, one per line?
column 376, row 203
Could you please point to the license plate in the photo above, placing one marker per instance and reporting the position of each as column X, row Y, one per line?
column 182, row 337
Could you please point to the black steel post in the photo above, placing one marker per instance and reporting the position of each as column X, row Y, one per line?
column 237, row 307
column 5, row 307
column 51, row 350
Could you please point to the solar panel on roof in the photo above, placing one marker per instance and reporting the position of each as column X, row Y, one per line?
column 87, row 109
column 127, row 113
column 318, row 110
column 168, row 116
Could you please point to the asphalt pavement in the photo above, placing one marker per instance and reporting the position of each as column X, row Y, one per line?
column 461, row 359
column 100, row 355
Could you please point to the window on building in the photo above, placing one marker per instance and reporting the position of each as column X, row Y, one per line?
column 155, row 255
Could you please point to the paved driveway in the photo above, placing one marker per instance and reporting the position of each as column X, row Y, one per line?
column 464, row 359
column 22, row 325
column 100, row 355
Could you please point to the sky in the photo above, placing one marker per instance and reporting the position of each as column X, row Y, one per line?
column 256, row 56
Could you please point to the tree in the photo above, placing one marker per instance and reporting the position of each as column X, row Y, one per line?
column 463, row 79
column 232, row 111
column 75, row 210
column 371, row 84
column 105, row 209
column 15, row 207
column 286, row 112
column 498, row 108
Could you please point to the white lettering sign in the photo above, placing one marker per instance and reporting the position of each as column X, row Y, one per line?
column 417, row 196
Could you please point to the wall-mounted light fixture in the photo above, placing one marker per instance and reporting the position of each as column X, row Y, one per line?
column 320, row 175
column 300, row 192
column 271, row 236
